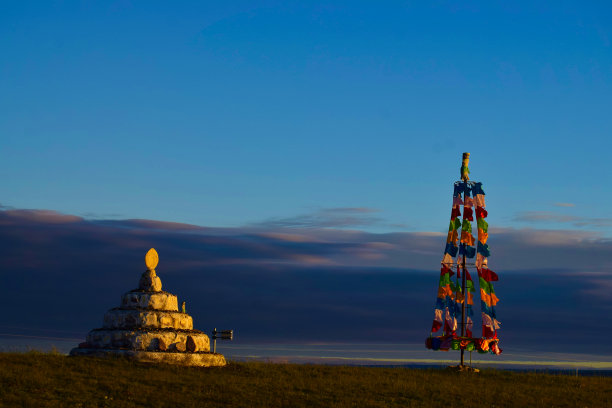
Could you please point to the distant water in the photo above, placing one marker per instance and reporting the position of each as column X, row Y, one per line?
column 372, row 354
column 385, row 354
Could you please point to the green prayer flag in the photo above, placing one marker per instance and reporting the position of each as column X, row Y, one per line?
column 466, row 226
column 469, row 285
column 444, row 280
column 482, row 224
column 486, row 286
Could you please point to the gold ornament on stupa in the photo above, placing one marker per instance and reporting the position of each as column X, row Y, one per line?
column 151, row 259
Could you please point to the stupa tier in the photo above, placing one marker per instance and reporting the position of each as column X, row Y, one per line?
column 148, row 326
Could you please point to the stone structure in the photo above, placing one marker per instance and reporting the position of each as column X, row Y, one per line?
column 148, row 326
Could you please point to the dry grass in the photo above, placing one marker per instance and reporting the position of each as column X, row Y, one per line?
column 53, row 380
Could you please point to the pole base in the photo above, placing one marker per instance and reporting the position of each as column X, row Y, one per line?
column 463, row 369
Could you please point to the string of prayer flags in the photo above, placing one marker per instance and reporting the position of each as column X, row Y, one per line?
column 445, row 312
column 483, row 227
column 469, row 288
column 451, row 249
column 489, row 300
column 445, row 343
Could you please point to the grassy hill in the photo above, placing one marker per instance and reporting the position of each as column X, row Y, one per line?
column 53, row 380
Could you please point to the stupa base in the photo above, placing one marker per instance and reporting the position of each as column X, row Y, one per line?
column 164, row 357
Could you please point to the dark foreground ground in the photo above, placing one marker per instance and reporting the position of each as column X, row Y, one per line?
column 53, row 380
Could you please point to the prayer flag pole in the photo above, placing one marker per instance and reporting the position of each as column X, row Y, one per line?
column 450, row 295
column 465, row 178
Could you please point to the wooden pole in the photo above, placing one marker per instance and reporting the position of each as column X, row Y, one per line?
column 465, row 177
column 463, row 306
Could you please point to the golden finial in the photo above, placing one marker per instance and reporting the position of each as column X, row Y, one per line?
column 151, row 259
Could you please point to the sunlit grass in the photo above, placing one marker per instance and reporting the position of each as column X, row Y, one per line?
column 37, row 379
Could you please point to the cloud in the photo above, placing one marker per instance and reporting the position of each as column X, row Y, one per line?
column 349, row 210
column 542, row 238
column 564, row 205
column 99, row 216
column 516, row 249
column 594, row 222
column 41, row 216
column 311, row 259
column 153, row 224
column 546, row 216
column 289, row 237
column 599, row 289
column 343, row 217
column 296, row 283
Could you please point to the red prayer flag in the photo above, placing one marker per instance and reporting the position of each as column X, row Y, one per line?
column 446, row 269
column 455, row 213
column 487, row 332
column 481, row 212
column 435, row 326
column 488, row 275
column 467, row 214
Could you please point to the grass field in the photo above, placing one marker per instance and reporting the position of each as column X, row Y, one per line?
column 53, row 380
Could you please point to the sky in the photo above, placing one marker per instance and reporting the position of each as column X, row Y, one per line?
column 297, row 160
column 229, row 115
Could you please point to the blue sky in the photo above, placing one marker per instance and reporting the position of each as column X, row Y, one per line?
column 229, row 115
column 313, row 149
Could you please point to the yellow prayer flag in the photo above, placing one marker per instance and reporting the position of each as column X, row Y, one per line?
column 467, row 238
column 482, row 236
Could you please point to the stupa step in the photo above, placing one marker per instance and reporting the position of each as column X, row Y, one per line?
column 187, row 359
column 151, row 340
column 147, row 319
column 150, row 300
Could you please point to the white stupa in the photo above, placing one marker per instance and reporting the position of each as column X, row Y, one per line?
column 148, row 326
